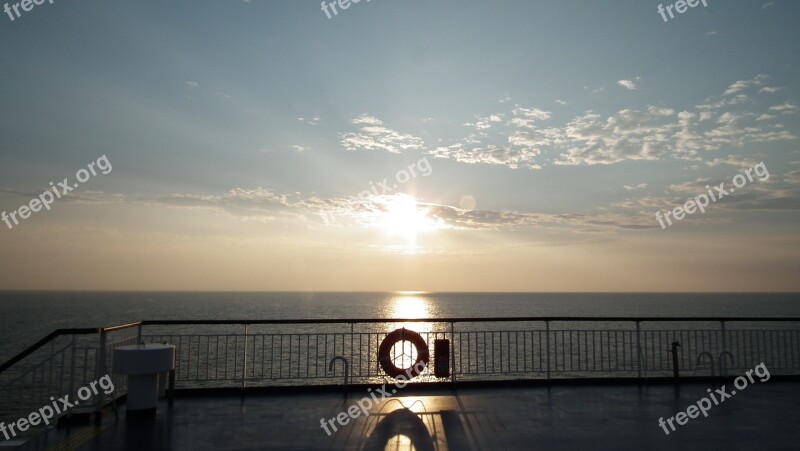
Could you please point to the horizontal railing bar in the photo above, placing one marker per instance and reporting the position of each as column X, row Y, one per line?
column 465, row 320
column 34, row 347
column 313, row 334
column 38, row 366
column 121, row 327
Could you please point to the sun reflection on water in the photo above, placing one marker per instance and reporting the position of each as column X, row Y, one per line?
column 411, row 305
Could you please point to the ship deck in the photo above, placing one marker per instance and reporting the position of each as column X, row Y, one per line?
column 526, row 417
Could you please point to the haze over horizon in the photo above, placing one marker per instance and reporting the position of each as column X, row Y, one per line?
column 422, row 146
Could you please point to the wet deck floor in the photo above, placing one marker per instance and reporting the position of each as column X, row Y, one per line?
column 574, row 417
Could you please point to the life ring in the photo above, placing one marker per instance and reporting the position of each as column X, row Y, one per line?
column 392, row 339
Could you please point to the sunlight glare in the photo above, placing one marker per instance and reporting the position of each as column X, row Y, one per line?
column 404, row 218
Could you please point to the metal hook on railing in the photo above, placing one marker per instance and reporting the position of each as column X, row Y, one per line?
column 723, row 369
column 346, row 368
column 710, row 359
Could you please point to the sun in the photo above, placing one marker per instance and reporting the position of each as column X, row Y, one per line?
column 405, row 218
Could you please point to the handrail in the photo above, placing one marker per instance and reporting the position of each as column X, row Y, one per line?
column 79, row 331
column 31, row 349
column 38, row 365
column 464, row 320
column 121, row 327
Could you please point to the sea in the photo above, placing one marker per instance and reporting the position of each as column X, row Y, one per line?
column 27, row 316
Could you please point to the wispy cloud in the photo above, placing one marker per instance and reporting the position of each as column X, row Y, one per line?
column 769, row 89
column 784, row 108
column 374, row 135
column 312, row 121
column 635, row 187
column 792, row 177
column 265, row 205
column 759, row 195
column 741, row 85
column 628, row 84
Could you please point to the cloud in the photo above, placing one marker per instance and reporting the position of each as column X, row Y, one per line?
column 526, row 117
column 374, row 135
column 513, row 156
column 784, row 108
column 656, row 133
column 628, row 84
column 297, row 148
column 192, row 84
column 370, row 212
column 733, row 160
column 460, row 219
column 792, row 177
column 627, row 135
column 741, row 85
column 87, row 196
column 756, row 195
column 515, row 144
column 484, row 123
column 313, row 121
column 525, row 137
column 635, row 187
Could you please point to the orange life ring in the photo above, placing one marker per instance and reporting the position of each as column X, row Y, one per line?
column 392, row 339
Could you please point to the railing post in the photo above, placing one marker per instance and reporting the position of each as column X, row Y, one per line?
column 52, row 357
column 72, row 364
column 638, row 351
column 352, row 343
column 547, row 338
column 101, row 365
column 675, row 366
column 244, row 359
column 724, row 340
column 139, row 333
column 452, row 352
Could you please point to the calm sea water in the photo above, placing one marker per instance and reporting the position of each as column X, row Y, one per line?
column 28, row 316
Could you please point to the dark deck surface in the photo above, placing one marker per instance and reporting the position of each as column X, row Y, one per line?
column 575, row 417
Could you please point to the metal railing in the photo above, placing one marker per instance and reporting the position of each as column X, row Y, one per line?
column 244, row 353
column 59, row 365
column 298, row 352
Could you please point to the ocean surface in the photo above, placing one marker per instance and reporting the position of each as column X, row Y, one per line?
column 28, row 316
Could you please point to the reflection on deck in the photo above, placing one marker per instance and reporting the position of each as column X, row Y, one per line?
column 596, row 417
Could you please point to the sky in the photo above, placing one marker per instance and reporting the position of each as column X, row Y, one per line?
column 400, row 145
